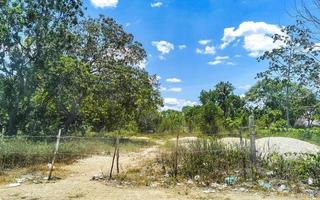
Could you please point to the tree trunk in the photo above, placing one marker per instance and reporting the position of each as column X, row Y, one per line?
column 12, row 125
column 287, row 107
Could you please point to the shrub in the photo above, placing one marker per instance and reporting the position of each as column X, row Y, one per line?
column 213, row 162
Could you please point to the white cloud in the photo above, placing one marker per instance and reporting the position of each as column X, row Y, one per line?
column 230, row 63
column 198, row 51
column 208, row 50
column 177, row 104
column 143, row 64
column 157, row 4
column 256, row 37
column 182, row 46
column 220, row 59
column 317, row 46
column 204, row 42
column 215, row 62
column 105, row 3
column 163, row 88
column 175, row 89
column 237, row 56
column 163, row 47
column 173, row 80
column 245, row 87
column 161, row 57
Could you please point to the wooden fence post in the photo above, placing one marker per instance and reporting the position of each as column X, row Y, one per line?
column 114, row 156
column 243, row 153
column 118, row 155
column 54, row 154
column 253, row 154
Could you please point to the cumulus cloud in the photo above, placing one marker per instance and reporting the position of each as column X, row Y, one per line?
column 204, row 42
column 220, row 59
column 143, row 64
column 182, row 46
column 175, row 89
column 256, row 36
column 173, row 80
column 208, row 50
column 105, row 3
column 245, row 87
column 157, row 4
column 164, row 47
column 215, row 62
column 177, row 104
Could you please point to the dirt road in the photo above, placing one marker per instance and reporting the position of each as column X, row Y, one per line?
column 78, row 185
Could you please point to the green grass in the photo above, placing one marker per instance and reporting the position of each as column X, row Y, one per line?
column 21, row 152
column 213, row 162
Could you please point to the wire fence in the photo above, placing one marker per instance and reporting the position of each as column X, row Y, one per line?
column 31, row 150
column 247, row 151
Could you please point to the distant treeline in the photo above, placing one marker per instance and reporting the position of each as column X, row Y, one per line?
column 60, row 69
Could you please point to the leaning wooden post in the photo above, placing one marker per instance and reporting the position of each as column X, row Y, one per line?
column 242, row 150
column 118, row 147
column 54, row 154
column 114, row 156
column 253, row 154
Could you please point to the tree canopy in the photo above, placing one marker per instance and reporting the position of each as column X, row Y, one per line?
column 61, row 69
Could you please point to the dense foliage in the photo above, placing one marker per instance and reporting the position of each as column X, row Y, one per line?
column 60, row 69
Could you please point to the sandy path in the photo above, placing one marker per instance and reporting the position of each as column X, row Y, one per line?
column 78, row 185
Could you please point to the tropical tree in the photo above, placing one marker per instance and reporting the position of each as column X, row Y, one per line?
column 192, row 115
column 171, row 121
column 211, row 118
column 59, row 69
column 291, row 60
column 31, row 34
column 267, row 99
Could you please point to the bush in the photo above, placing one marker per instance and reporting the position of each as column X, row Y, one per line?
column 213, row 161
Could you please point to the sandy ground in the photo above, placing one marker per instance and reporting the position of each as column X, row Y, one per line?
column 78, row 185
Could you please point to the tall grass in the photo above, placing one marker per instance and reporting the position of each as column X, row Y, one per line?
column 213, row 161
column 22, row 152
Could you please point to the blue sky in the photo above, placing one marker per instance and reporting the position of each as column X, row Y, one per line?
column 193, row 44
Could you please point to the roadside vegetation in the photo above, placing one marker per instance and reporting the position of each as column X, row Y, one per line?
column 62, row 69
column 22, row 152
column 213, row 161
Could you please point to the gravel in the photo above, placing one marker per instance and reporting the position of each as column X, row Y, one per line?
column 281, row 145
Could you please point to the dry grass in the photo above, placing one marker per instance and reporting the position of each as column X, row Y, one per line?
column 36, row 173
column 20, row 157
